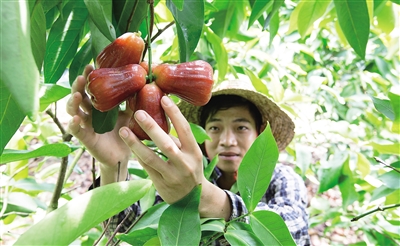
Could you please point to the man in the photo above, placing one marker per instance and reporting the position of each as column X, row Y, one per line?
column 232, row 128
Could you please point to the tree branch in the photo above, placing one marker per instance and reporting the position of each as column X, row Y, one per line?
column 386, row 165
column 379, row 208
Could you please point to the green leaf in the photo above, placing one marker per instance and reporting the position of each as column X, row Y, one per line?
column 275, row 11
column 101, row 14
column 396, row 1
column 19, row 76
column 223, row 17
column 139, row 237
column 210, row 167
column 256, row 169
column 56, row 149
column 216, row 225
column 178, row 4
column 329, row 174
column 189, row 26
column 199, row 133
column 63, row 40
column 391, row 179
column 81, row 59
column 152, row 217
column 19, row 202
column 386, row 18
column 38, row 34
column 381, row 191
column 303, row 157
column 384, row 106
column 257, row 10
column 395, row 103
column 354, row 21
column 83, row 213
column 11, row 116
column 99, row 41
column 273, row 27
column 221, row 55
column 310, row 12
column 270, row 228
column 104, row 121
column 133, row 12
column 242, row 237
column 180, row 222
column 52, row 93
column 346, row 185
column 386, row 148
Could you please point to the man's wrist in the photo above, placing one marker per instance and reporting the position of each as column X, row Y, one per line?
column 116, row 173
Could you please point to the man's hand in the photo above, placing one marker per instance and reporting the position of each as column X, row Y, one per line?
column 107, row 148
column 183, row 170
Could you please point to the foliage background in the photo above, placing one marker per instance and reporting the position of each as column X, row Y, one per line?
column 332, row 65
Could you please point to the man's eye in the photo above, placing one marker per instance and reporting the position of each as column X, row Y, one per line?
column 213, row 128
column 242, row 128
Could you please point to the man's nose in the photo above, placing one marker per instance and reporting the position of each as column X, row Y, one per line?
column 228, row 138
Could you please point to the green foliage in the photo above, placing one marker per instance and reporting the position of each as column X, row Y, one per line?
column 331, row 65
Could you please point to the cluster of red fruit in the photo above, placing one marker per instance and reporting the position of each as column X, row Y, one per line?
column 120, row 75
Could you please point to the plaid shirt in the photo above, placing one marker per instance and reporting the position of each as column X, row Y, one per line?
column 286, row 195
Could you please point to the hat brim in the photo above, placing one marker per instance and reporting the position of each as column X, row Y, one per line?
column 281, row 124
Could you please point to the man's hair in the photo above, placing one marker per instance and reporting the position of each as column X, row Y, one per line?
column 223, row 102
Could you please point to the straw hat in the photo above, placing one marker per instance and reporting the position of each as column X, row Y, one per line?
column 281, row 124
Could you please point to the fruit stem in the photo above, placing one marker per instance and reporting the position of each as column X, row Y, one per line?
column 150, row 30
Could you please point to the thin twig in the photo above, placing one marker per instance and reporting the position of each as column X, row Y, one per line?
column 131, row 15
column 386, row 165
column 94, row 172
column 65, row 136
column 117, row 229
column 104, row 232
column 379, row 208
column 160, row 31
column 78, row 156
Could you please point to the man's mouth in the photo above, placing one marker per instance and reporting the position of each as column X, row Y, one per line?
column 228, row 155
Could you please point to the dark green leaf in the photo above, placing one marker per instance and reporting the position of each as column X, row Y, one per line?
column 222, row 18
column 19, row 76
column 99, row 41
column 384, row 106
column 189, row 26
column 273, row 28
column 391, row 179
column 83, row 213
column 242, row 237
column 396, row 1
column 81, row 59
column 275, row 11
column 217, row 225
column 56, row 149
column 354, row 21
column 104, row 121
column 133, row 12
column 329, row 174
column 100, row 11
column 180, row 222
column 256, row 169
column 38, row 34
column 11, row 116
column 346, row 185
column 138, row 172
column 381, row 191
column 52, row 93
column 258, row 8
column 63, row 40
column 199, row 133
column 270, row 228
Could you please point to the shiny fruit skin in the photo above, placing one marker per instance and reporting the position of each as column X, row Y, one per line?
column 149, row 100
column 191, row 81
column 126, row 49
column 108, row 87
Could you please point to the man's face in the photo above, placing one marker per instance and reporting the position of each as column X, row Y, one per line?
column 232, row 132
